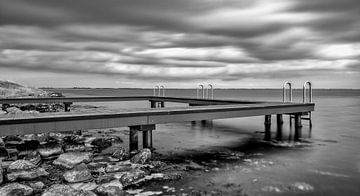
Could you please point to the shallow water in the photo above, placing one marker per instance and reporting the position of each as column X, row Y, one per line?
column 327, row 162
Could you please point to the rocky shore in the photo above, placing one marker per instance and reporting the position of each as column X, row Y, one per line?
column 74, row 164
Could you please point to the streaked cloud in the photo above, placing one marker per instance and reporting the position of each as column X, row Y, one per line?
column 187, row 41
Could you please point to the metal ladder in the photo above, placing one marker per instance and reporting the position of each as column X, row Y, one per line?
column 204, row 93
column 157, row 89
column 305, row 99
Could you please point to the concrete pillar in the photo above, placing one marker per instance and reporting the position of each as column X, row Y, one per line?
column 152, row 104
column 267, row 124
column 133, row 139
column 297, row 120
column 67, row 106
column 146, row 139
column 162, row 104
column 279, row 125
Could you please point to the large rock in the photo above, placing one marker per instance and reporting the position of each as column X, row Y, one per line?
column 142, row 157
column 120, row 167
column 20, row 165
column 85, row 186
column 71, row 159
column 131, row 177
column 33, row 157
column 101, row 143
column 27, row 174
column 79, row 174
column 116, row 151
column 24, row 170
column 52, row 150
column 113, row 188
column 65, row 190
column 15, row 189
column 1, row 174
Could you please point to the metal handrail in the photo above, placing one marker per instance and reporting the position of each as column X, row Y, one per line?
column 304, row 92
column 211, row 91
column 163, row 92
column 202, row 92
column 284, row 91
column 156, row 87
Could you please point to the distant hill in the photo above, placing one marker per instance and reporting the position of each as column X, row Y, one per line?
column 10, row 89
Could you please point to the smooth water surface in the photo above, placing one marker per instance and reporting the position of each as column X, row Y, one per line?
column 328, row 159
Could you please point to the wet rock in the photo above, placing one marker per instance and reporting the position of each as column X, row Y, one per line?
column 173, row 175
column 33, row 157
column 12, row 141
column 115, row 152
column 1, row 174
column 2, row 143
column 12, row 154
column 28, row 145
column 51, row 150
column 13, row 110
column 301, row 187
column 95, row 166
column 271, row 189
column 132, row 176
column 3, row 153
column 101, row 143
column 15, row 189
column 104, row 179
column 142, row 157
column 73, row 140
column 70, row 159
column 28, row 174
column 110, row 191
column 79, row 174
column 37, row 186
column 120, row 167
column 85, row 186
column 20, row 165
column 65, row 190
column 74, row 148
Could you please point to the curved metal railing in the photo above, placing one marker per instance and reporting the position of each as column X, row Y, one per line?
column 309, row 98
column 287, row 83
column 157, row 87
column 211, row 95
column 202, row 91
column 163, row 91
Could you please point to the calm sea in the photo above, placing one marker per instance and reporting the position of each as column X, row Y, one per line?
column 329, row 160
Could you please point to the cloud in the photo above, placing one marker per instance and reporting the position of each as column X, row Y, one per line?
column 223, row 40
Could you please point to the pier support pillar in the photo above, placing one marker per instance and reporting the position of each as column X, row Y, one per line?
column 279, row 126
column 133, row 140
column 267, row 124
column 162, row 104
column 297, row 119
column 147, row 137
column 152, row 104
column 67, row 106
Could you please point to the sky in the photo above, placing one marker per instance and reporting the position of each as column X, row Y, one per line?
column 180, row 43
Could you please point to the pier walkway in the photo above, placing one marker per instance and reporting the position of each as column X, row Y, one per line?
column 145, row 119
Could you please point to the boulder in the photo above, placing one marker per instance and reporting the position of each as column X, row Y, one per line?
column 131, row 177
column 120, row 167
column 113, row 188
column 1, row 174
column 27, row 174
column 14, row 189
column 74, row 148
column 50, row 150
column 37, row 186
column 33, row 157
column 65, row 190
column 85, row 186
column 79, row 174
column 142, row 157
column 117, row 152
column 71, row 159
column 20, row 165
column 101, row 143
column 104, row 179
